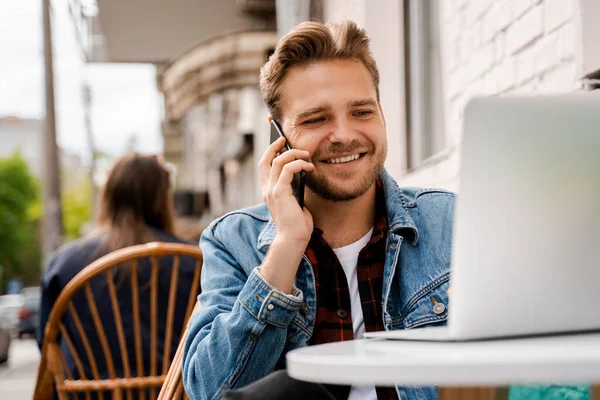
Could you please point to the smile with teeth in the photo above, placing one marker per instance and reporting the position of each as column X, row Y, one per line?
column 341, row 160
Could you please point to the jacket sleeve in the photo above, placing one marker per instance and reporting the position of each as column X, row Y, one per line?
column 241, row 329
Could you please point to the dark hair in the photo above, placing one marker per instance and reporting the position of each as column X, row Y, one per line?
column 136, row 199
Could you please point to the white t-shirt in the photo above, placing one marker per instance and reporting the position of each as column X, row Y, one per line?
column 348, row 256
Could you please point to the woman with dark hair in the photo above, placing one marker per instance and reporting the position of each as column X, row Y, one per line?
column 136, row 207
column 136, row 203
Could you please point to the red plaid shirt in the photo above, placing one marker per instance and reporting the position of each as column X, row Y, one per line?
column 333, row 322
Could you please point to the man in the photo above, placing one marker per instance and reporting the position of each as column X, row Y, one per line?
column 363, row 255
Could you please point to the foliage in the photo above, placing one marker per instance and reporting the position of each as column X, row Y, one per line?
column 19, row 221
column 77, row 210
column 21, row 217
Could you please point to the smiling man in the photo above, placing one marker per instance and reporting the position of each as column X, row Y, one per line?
column 363, row 255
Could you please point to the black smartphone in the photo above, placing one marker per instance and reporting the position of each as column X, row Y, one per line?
column 299, row 180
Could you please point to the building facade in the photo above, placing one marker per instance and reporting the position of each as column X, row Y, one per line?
column 207, row 54
column 216, row 123
column 24, row 136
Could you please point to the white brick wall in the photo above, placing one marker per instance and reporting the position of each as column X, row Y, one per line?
column 493, row 47
column 525, row 30
column 489, row 47
column 557, row 13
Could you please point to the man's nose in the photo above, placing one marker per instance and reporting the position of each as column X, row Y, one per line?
column 342, row 131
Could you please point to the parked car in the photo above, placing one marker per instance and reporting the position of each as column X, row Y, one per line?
column 29, row 312
column 10, row 304
column 31, row 291
column 5, row 338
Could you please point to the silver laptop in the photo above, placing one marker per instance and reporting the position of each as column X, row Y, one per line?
column 526, row 240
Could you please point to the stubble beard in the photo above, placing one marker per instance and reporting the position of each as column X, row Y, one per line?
column 324, row 187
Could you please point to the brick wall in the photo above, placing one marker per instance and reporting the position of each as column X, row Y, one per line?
column 489, row 47
column 492, row 47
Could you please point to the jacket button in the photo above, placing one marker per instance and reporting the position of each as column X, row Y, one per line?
column 270, row 307
column 304, row 309
column 439, row 308
column 342, row 314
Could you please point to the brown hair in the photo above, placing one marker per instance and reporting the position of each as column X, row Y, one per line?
column 311, row 42
column 136, row 199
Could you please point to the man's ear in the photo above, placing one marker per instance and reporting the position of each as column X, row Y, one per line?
column 270, row 118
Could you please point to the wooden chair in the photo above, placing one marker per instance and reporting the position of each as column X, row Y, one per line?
column 172, row 388
column 53, row 366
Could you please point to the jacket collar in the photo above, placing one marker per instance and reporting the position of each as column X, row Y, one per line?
column 397, row 214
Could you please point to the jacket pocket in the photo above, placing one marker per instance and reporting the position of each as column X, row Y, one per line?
column 429, row 305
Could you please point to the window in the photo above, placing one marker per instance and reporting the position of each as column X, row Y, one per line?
column 423, row 81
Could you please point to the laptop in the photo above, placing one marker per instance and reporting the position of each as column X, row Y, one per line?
column 526, row 239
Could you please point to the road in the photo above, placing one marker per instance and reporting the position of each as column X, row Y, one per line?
column 18, row 375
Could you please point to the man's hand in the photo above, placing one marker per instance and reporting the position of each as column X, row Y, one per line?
column 294, row 225
column 277, row 172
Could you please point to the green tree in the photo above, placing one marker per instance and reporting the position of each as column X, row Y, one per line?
column 19, row 221
column 77, row 209
column 21, row 213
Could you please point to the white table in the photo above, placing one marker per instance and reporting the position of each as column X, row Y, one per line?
column 570, row 359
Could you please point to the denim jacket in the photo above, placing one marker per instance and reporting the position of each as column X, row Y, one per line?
column 246, row 327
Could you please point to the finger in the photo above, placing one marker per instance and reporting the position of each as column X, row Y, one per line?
column 270, row 153
column 284, row 159
column 264, row 165
column 287, row 174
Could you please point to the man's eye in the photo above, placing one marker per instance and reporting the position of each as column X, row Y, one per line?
column 313, row 121
column 363, row 113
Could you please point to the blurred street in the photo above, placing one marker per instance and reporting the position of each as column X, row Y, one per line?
column 18, row 375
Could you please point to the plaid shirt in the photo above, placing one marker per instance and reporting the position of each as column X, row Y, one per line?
column 333, row 321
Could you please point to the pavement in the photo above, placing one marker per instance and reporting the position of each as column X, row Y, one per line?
column 19, row 373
